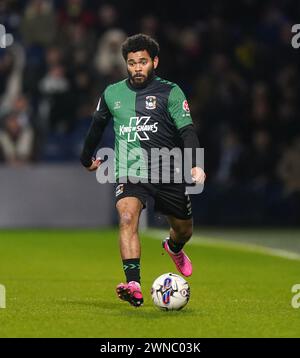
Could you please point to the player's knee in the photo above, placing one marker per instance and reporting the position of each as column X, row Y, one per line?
column 126, row 219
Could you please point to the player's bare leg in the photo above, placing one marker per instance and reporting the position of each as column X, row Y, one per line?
column 129, row 210
column 180, row 230
column 180, row 233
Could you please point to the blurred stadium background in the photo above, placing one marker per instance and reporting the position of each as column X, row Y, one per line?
column 234, row 61
column 236, row 64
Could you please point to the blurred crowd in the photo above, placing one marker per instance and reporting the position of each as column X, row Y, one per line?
column 234, row 60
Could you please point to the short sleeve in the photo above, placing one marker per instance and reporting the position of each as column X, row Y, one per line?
column 178, row 108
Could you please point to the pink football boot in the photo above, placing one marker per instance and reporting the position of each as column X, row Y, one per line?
column 130, row 292
column 181, row 260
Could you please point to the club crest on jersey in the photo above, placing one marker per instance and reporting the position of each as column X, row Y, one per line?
column 150, row 102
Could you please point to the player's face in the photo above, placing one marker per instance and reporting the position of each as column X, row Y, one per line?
column 140, row 67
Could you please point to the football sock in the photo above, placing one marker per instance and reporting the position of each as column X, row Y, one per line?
column 175, row 246
column 131, row 269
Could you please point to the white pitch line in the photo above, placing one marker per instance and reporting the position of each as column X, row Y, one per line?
column 208, row 241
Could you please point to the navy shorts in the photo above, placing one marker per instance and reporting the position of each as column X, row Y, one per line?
column 169, row 199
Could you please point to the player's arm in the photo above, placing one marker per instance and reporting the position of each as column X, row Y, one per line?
column 180, row 113
column 190, row 140
column 101, row 118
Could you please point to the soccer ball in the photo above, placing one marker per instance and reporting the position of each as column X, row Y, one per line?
column 170, row 292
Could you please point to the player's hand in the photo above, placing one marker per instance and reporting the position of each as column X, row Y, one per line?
column 198, row 175
column 95, row 164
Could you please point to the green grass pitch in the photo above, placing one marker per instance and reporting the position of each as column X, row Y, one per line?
column 61, row 283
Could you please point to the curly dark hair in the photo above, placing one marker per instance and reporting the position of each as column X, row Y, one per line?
column 140, row 42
